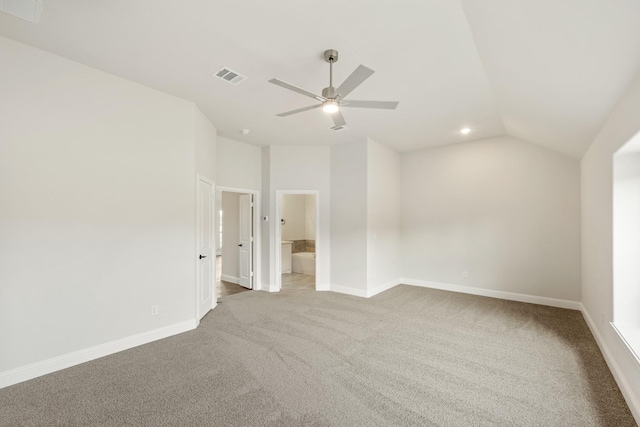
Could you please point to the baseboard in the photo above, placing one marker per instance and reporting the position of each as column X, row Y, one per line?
column 268, row 288
column 632, row 400
column 384, row 287
column 34, row 370
column 349, row 291
column 230, row 279
column 323, row 287
column 511, row 296
column 265, row 287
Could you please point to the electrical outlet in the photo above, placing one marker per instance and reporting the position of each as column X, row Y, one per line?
column 155, row 309
column 465, row 274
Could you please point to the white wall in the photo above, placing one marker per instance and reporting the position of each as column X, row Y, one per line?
column 299, row 168
column 299, row 213
column 383, row 217
column 239, row 165
column 230, row 236
column 505, row 211
column 349, row 218
column 309, row 217
column 205, row 140
column 293, row 211
column 267, row 229
column 97, row 212
column 597, row 239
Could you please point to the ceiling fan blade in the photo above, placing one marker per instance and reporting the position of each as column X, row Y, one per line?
column 297, row 89
column 299, row 110
column 387, row 105
column 338, row 119
column 356, row 78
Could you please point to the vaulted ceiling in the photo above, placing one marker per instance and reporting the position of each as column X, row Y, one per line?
column 545, row 71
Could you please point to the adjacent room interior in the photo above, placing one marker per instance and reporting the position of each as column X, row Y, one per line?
column 234, row 238
column 297, row 240
column 335, row 213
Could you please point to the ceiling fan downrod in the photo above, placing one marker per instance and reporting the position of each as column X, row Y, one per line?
column 330, row 56
column 331, row 73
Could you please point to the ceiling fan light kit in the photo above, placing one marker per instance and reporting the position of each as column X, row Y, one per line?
column 332, row 99
column 330, row 106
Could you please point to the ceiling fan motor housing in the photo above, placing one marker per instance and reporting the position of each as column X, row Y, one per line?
column 331, row 55
column 329, row 92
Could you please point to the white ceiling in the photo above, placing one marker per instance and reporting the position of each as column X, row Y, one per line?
column 545, row 71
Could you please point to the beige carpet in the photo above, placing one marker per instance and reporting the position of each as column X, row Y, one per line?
column 409, row 356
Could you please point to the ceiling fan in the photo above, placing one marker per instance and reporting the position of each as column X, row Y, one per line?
column 332, row 99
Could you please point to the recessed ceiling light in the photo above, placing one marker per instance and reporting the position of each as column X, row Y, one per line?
column 245, row 131
column 465, row 131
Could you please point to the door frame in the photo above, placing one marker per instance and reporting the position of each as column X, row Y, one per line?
column 278, row 240
column 214, row 301
column 245, row 200
column 257, row 258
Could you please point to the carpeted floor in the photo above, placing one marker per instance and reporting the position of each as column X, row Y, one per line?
column 298, row 281
column 409, row 356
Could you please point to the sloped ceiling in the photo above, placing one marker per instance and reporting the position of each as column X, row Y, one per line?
column 548, row 72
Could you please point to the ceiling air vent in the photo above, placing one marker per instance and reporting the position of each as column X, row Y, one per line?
column 230, row 76
column 339, row 128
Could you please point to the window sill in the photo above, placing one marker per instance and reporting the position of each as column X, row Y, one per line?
column 630, row 335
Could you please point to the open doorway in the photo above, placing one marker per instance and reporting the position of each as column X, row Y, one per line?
column 297, row 231
column 236, row 239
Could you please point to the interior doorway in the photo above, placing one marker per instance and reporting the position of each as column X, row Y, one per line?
column 236, row 240
column 297, row 239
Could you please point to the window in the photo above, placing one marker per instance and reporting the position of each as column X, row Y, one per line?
column 626, row 243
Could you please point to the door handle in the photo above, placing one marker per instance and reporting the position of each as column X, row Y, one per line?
column 240, row 245
column 202, row 256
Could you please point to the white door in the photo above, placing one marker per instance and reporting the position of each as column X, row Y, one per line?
column 205, row 248
column 246, row 240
